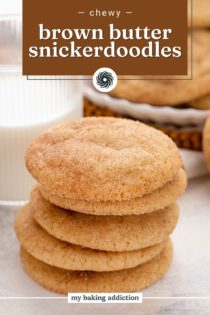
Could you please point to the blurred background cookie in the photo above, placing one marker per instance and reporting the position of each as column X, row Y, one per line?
column 201, row 103
column 172, row 92
column 201, row 13
column 206, row 142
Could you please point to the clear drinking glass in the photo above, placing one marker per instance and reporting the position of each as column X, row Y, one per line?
column 27, row 108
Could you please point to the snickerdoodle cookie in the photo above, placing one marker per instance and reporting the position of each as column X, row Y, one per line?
column 64, row 281
column 201, row 103
column 158, row 199
column 120, row 233
column 201, row 13
column 173, row 92
column 64, row 255
column 206, row 142
column 100, row 159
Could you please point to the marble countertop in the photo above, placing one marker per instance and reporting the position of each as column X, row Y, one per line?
column 189, row 274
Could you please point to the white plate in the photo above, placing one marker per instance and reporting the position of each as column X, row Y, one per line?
column 146, row 112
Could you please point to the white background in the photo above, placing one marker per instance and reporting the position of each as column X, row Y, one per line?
column 11, row 6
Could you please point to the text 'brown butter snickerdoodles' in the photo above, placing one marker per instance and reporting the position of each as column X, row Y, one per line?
column 104, row 207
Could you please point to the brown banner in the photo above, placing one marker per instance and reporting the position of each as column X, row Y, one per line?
column 145, row 37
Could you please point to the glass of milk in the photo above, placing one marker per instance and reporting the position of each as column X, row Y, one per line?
column 27, row 108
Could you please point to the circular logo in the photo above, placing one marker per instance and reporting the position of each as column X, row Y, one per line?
column 104, row 80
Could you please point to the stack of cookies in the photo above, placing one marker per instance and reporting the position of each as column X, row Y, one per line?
column 104, row 207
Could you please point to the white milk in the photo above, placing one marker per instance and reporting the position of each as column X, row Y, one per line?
column 27, row 108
